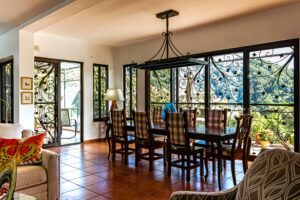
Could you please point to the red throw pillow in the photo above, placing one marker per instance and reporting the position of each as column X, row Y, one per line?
column 30, row 150
column 8, row 149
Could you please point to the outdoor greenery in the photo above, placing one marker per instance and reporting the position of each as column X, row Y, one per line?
column 271, row 90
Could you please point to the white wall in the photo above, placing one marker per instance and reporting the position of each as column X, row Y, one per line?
column 51, row 46
column 270, row 26
column 9, row 46
column 26, row 61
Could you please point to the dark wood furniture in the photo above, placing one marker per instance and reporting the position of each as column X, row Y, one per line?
column 191, row 116
column 157, row 115
column 145, row 140
column 178, row 142
column 240, row 147
column 119, row 135
column 215, row 120
column 199, row 133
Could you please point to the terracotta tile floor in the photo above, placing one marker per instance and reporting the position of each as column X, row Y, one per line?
column 86, row 173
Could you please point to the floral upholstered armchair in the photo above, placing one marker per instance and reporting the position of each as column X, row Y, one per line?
column 275, row 174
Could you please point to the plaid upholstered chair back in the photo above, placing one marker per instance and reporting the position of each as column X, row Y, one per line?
column 117, row 118
column 191, row 117
column 216, row 119
column 176, row 128
column 141, row 125
column 243, row 131
column 157, row 115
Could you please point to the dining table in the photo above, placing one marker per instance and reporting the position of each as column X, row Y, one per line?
column 211, row 136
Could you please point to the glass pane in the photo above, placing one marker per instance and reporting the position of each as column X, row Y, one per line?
column 272, row 76
column 45, row 101
column 226, row 78
column 226, row 84
column 103, row 87
column 130, row 89
column 70, row 102
column 272, row 94
column 160, row 87
column 96, row 92
column 7, row 80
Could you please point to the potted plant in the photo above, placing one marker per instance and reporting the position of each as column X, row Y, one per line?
column 265, row 136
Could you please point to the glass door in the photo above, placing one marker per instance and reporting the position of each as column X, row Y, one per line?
column 45, row 101
column 70, row 102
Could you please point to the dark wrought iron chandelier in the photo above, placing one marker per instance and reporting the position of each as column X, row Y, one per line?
column 167, row 47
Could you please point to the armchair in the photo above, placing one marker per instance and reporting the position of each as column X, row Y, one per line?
column 275, row 174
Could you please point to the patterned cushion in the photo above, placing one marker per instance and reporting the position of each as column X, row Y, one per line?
column 117, row 123
column 140, row 123
column 176, row 128
column 30, row 150
column 275, row 174
column 215, row 119
column 157, row 116
column 8, row 148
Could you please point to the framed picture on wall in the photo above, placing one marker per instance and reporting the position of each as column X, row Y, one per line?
column 26, row 97
column 26, row 83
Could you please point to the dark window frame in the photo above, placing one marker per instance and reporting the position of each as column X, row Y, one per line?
column 99, row 118
column 2, row 108
column 246, row 102
column 130, row 66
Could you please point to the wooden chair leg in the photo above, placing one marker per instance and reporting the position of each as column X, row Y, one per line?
column 188, row 168
column 151, row 155
column 213, row 160
column 126, row 153
column 164, row 155
column 182, row 165
column 137, row 155
column 206, row 167
column 233, row 170
column 113, row 150
column 169, row 162
column 201, row 165
column 224, row 164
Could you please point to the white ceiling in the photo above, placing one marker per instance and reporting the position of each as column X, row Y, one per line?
column 121, row 22
column 15, row 12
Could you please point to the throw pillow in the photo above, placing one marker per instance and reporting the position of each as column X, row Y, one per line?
column 30, row 150
column 8, row 148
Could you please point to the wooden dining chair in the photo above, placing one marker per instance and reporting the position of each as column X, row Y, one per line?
column 215, row 120
column 145, row 140
column 178, row 142
column 191, row 116
column 157, row 115
column 240, row 147
column 119, row 135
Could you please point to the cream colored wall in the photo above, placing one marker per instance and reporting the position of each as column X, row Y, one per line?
column 9, row 46
column 26, row 60
column 270, row 26
column 51, row 46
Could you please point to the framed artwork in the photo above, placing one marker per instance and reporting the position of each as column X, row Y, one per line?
column 26, row 98
column 26, row 83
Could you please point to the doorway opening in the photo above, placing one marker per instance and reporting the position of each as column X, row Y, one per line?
column 58, row 101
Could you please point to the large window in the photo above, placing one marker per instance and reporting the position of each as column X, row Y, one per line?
column 100, row 79
column 6, row 94
column 130, row 88
column 261, row 80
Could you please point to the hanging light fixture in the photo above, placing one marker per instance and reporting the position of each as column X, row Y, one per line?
column 167, row 47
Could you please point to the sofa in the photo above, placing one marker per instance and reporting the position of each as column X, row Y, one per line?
column 40, row 181
column 274, row 174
